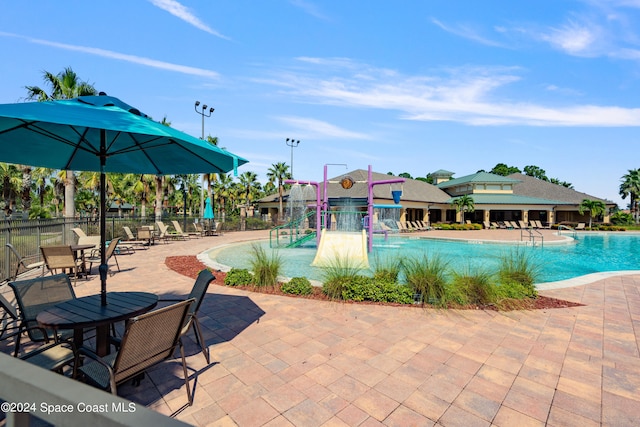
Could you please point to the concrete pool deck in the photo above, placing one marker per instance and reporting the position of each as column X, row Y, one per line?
column 280, row 361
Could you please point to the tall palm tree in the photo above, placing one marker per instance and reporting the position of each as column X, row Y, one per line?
column 222, row 189
column 278, row 172
column 595, row 208
column 630, row 186
column 11, row 184
column 64, row 85
column 248, row 181
column 462, row 204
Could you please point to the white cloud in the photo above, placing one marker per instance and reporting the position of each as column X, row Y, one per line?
column 180, row 11
column 467, row 95
column 573, row 38
column 315, row 129
column 141, row 60
column 467, row 32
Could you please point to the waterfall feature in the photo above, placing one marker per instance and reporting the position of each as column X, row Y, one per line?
column 299, row 197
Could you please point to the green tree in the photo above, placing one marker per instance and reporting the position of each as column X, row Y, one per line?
column 595, row 208
column 462, row 204
column 504, row 170
column 278, row 172
column 222, row 189
column 11, row 184
column 630, row 186
column 64, row 85
column 536, row 172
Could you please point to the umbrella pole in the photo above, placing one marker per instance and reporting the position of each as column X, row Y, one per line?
column 104, row 268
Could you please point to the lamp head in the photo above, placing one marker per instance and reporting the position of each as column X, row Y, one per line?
column 197, row 103
column 204, row 107
column 211, row 109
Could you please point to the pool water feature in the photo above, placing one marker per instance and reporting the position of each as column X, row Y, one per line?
column 590, row 253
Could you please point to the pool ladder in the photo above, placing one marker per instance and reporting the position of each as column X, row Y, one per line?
column 571, row 230
column 532, row 234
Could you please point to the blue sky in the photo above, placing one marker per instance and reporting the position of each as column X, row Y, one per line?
column 410, row 86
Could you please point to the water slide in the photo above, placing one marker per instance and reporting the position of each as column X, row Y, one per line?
column 341, row 245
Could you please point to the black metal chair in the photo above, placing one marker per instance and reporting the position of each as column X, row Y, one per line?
column 35, row 295
column 23, row 263
column 148, row 340
column 199, row 290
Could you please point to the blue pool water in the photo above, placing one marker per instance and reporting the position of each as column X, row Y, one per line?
column 591, row 253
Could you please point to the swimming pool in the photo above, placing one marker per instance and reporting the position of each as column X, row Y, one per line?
column 590, row 253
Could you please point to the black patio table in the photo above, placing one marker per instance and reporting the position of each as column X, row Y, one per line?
column 87, row 312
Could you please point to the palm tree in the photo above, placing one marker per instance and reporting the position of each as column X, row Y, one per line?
column 278, row 172
column 630, row 186
column 248, row 181
column 595, row 208
column 222, row 189
column 462, row 204
column 64, row 85
column 11, row 184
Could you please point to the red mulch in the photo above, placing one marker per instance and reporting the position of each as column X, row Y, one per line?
column 190, row 266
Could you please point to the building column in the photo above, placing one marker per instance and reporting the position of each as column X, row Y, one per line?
column 525, row 216
column 487, row 215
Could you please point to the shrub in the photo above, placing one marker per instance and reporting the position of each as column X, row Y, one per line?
column 362, row 288
column 337, row 274
column 297, row 286
column 387, row 269
column 238, row 277
column 265, row 267
column 518, row 268
column 427, row 276
column 473, row 287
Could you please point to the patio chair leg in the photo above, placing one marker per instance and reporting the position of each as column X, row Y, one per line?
column 200, row 339
column 186, row 374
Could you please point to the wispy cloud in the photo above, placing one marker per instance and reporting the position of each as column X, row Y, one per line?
column 574, row 38
column 309, row 8
column 319, row 129
column 466, row 32
column 469, row 95
column 180, row 11
column 141, row 60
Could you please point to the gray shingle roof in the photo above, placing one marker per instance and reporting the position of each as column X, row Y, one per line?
column 534, row 187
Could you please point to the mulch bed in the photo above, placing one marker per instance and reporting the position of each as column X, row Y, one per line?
column 190, row 266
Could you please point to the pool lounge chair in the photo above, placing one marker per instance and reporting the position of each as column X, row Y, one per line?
column 581, row 226
column 523, row 224
column 23, row 264
column 131, row 240
column 179, row 230
column 402, row 227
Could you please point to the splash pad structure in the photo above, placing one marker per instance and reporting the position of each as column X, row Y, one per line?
column 352, row 237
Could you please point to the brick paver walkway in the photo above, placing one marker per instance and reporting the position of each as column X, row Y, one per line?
column 279, row 361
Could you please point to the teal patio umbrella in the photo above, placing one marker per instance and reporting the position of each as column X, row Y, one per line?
column 103, row 134
column 208, row 210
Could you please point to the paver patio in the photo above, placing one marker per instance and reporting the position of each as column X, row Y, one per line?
column 280, row 361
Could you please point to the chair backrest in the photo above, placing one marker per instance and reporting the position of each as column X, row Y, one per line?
column 176, row 225
column 197, row 227
column 162, row 228
column 18, row 257
column 112, row 247
column 89, row 240
column 144, row 233
column 128, row 232
column 149, row 339
column 199, row 290
column 58, row 257
column 35, row 295
column 79, row 232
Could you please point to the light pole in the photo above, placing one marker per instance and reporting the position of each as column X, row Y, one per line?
column 294, row 143
column 203, row 112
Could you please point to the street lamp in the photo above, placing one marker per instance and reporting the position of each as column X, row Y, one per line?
column 294, row 143
column 203, row 112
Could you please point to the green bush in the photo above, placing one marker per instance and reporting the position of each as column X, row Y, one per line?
column 339, row 272
column 388, row 268
column 473, row 286
column 518, row 268
column 266, row 267
column 362, row 288
column 297, row 286
column 238, row 277
column 622, row 218
column 427, row 276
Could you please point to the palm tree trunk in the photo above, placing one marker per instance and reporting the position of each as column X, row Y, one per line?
column 69, row 194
